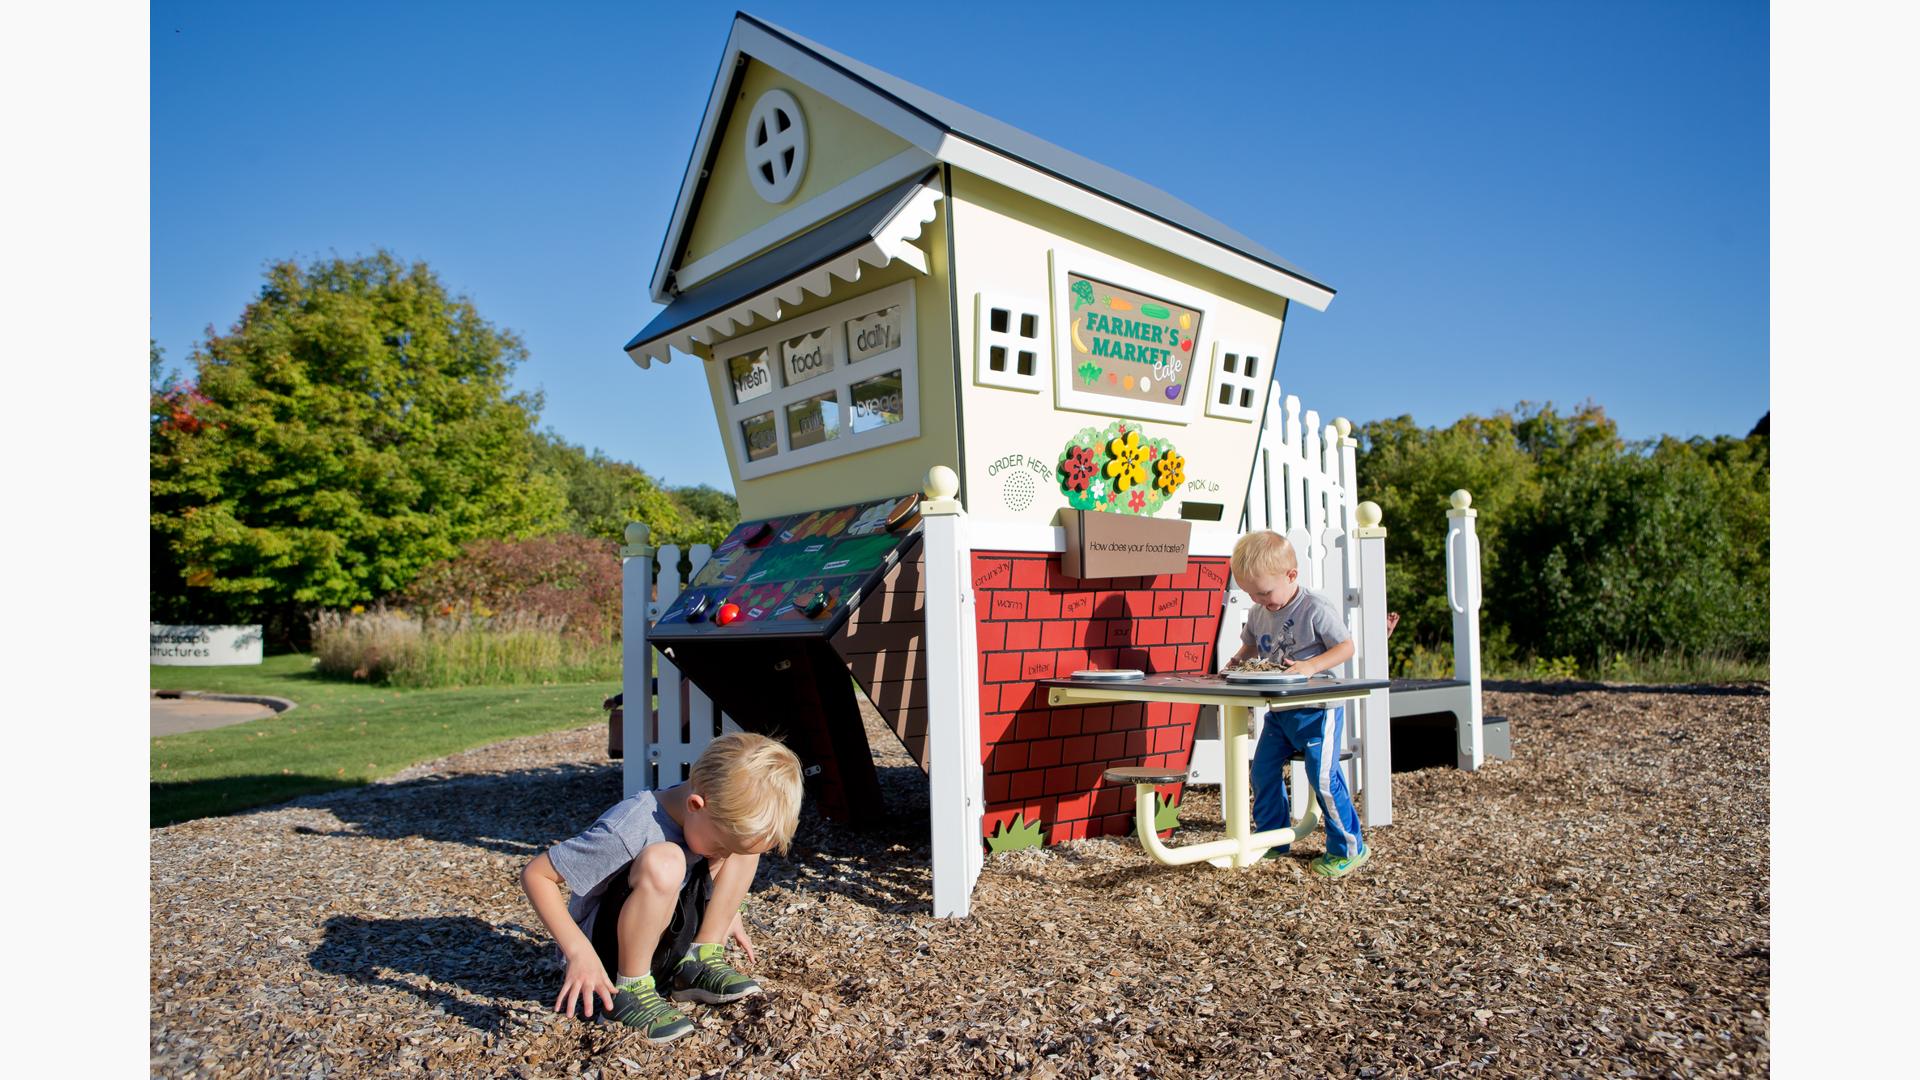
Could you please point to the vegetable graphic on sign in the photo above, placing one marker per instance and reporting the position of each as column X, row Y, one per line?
column 1082, row 294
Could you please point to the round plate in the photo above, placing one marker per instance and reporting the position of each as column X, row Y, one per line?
column 1114, row 675
column 1264, row 677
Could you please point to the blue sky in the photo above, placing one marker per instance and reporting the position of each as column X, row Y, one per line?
column 1515, row 201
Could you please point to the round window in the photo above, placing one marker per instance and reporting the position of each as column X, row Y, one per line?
column 776, row 146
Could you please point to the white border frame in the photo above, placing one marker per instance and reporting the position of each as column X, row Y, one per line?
column 1061, row 260
column 839, row 381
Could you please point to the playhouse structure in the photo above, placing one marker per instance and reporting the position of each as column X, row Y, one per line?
column 938, row 347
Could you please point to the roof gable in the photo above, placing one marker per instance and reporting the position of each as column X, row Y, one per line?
column 946, row 131
column 730, row 222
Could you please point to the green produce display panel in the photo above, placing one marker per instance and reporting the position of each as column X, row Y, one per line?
column 798, row 575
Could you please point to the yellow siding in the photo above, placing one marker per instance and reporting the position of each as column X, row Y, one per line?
column 886, row 470
column 841, row 145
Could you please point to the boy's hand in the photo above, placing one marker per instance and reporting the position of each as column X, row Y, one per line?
column 586, row 977
column 738, row 932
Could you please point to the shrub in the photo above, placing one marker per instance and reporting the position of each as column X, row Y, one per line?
column 1592, row 547
column 466, row 650
column 368, row 646
column 567, row 584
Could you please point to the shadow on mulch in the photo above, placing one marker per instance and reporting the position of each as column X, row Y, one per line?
column 457, row 951
column 173, row 801
column 515, row 813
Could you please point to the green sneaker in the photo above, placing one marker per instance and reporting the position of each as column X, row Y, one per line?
column 1339, row 866
column 707, row 977
column 639, row 1005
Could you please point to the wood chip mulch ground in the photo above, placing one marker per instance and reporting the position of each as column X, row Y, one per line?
column 1595, row 907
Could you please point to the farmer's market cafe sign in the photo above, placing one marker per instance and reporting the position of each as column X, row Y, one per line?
column 1131, row 353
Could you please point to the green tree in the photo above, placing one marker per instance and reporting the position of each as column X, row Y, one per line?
column 1649, row 548
column 352, row 427
column 603, row 495
column 1590, row 545
column 1411, row 472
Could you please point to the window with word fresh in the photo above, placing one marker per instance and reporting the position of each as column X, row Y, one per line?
column 1239, row 384
column 1011, row 349
column 824, row 384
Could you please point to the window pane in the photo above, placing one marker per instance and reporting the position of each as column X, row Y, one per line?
column 750, row 375
column 878, row 402
column 807, row 357
column 761, row 441
column 871, row 335
column 814, row 420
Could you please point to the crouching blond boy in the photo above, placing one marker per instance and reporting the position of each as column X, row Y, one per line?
column 657, row 884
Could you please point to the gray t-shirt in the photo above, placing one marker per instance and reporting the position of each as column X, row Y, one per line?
column 1306, row 627
column 590, row 861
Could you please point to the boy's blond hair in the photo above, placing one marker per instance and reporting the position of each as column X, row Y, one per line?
column 752, row 786
column 1262, row 554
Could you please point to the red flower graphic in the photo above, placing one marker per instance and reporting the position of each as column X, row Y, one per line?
column 1078, row 468
column 1139, row 500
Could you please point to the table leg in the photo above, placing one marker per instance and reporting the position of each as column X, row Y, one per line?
column 1236, row 793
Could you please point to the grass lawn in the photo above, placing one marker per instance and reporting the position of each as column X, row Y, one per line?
column 342, row 734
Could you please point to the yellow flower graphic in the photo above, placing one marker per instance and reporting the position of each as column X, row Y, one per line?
column 1128, row 464
column 1171, row 472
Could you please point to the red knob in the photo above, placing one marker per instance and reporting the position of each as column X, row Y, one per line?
column 727, row 613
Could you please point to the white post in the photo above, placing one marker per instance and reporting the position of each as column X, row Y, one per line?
column 1376, row 713
column 1349, row 551
column 954, row 770
column 636, row 667
column 1463, row 598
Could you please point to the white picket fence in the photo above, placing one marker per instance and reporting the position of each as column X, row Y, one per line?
column 1303, row 485
column 661, row 743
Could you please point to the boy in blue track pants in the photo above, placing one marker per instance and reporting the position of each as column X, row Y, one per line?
column 1302, row 630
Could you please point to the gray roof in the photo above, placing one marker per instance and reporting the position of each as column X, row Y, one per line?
column 764, row 271
column 1066, row 165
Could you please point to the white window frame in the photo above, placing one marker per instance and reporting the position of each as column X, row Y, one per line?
column 773, row 103
column 985, row 338
column 1079, row 261
column 1254, row 388
column 840, row 381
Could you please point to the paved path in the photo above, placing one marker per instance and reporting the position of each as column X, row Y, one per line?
column 171, row 716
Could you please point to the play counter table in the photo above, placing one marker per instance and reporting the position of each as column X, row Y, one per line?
column 1236, row 701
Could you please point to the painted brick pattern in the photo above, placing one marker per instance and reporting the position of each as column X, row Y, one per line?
column 1036, row 623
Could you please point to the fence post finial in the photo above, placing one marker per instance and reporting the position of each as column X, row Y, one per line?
column 1344, row 426
column 941, row 485
column 1462, row 501
column 637, row 532
column 1367, row 516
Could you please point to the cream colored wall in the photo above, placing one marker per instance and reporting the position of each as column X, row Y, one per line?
column 1002, row 240
column 895, row 469
column 841, row 145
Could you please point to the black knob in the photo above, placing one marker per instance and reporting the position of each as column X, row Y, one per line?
column 817, row 603
column 697, row 607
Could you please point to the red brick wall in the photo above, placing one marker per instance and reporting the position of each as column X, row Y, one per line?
column 1044, row 763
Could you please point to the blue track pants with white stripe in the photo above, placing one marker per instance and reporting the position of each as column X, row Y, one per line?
column 1315, row 733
